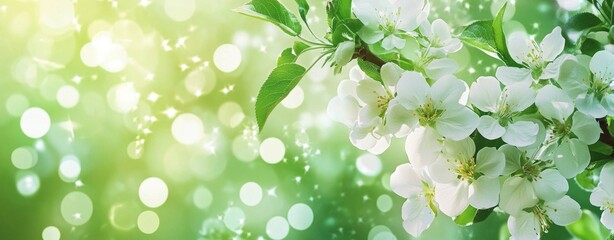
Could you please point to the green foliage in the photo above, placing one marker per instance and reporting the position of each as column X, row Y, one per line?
column 372, row 70
column 303, row 9
column 590, row 46
column 345, row 30
column 274, row 12
column 588, row 179
column 289, row 55
column 586, row 228
column 277, row 86
column 582, row 21
column 337, row 11
column 466, row 217
column 488, row 36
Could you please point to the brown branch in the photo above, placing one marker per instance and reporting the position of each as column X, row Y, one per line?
column 365, row 54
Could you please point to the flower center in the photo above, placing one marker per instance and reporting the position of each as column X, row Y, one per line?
column 382, row 101
column 542, row 218
column 465, row 169
column 429, row 194
column 608, row 206
column 389, row 20
column 534, row 61
column 601, row 85
column 428, row 114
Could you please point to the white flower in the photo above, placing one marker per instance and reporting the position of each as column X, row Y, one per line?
column 571, row 155
column 463, row 180
column 603, row 195
column 503, row 107
column 537, row 59
column 590, row 86
column 419, row 209
column 388, row 20
column 531, row 181
column 436, row 106
column 529, row 225
column 439, row 38
column 362, row 104
column 344, row 53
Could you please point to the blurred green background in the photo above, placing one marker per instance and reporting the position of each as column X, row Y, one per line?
column 165, row 89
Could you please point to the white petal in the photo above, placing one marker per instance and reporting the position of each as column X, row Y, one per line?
column 344, row 53
column 452, row 198
column 606, row 176
column 442, row 171
column 369, row 90
column 564, row 211
column 422, row 146
column 573, row 78
column 441, row 30
column 485, row 93
column 368, row 116
column 370, row 35
column 590, row 105
column 380, row 146
column 517, row 194
column 552, row 45
column 524, row 226
column 519, row 97
column 457, row 124
column 362, row 138
column 513, row 75
column 441, row 67
column 397, row 42
column 405, row 182
column 553, row 103
column 607, row 219
column 463, row 149
column 519, row 46
column 347, row 88
column 521, row 133
column 599, row 197
column 412, row 89
column 388, row 42
column 367, row 11
column 484, row 192
column 447, row 90
column 608, row 103
column 343, row 110
column 601, row 65
column 399, row 120
column 490, row 128
column 391, row 73
column 490, row 162
column 512, row 158
column 356, row 74
column 586, row 128
column 408, row 9
column 417, row 215
column 550, row 185
column 571, row 157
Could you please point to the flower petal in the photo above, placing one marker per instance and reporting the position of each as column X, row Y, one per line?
column 422, row 146
column 457, row 124
column 367, row 11
column 607, row 219
column 550, row 185
column 484, row 192
column 553, row 103
column 519, row 97
column 513, row 75
column 399, row 120
column 490, row 162
column 417, row 215
column 517, row 194
column 485, row 93
column 590, row 105
column 552, row 45
column 447, row 91
column 490, row 128
column 573, row 78
column 564, row 211
column 524, row 226
column 585, row 128
column 412, row 89
column 370, row 35
column 571, row 157
column 606, row 177
column 601, row 65
column 369, row 90
column 441, row 67
column 521, row 133
column 519, row 46
column 405, row 182
column 512, row 158
column 599, row 197
column 391, row 73
column 452, row 198
column 343, row 110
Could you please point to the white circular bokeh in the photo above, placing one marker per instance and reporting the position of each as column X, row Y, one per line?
column 277, row 228
column 300, row 216
column 251, row 194
column 187, row 129
column 148, row 222
column 76, row 208
column 294, row 99
column 67, row 96
column 51, row 233
column 153, row 192
column 227, row 58
column 272, row 150
column 35, row 122
column 369, row 164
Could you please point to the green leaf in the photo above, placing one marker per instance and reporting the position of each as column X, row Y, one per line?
column 299, row 47
column 372, row 70
column 277, row 86
column 482, row 214
column 345, row 30
column 303, row 9
column 286, row 56
column 466, row 217
column 582, row 21
column 337, row 11
column 588, row 179
column 274, row 12
column 590, row 47
column 586, row 228
column 488, row 36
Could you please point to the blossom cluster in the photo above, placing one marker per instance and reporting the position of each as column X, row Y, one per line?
column 508, row 141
